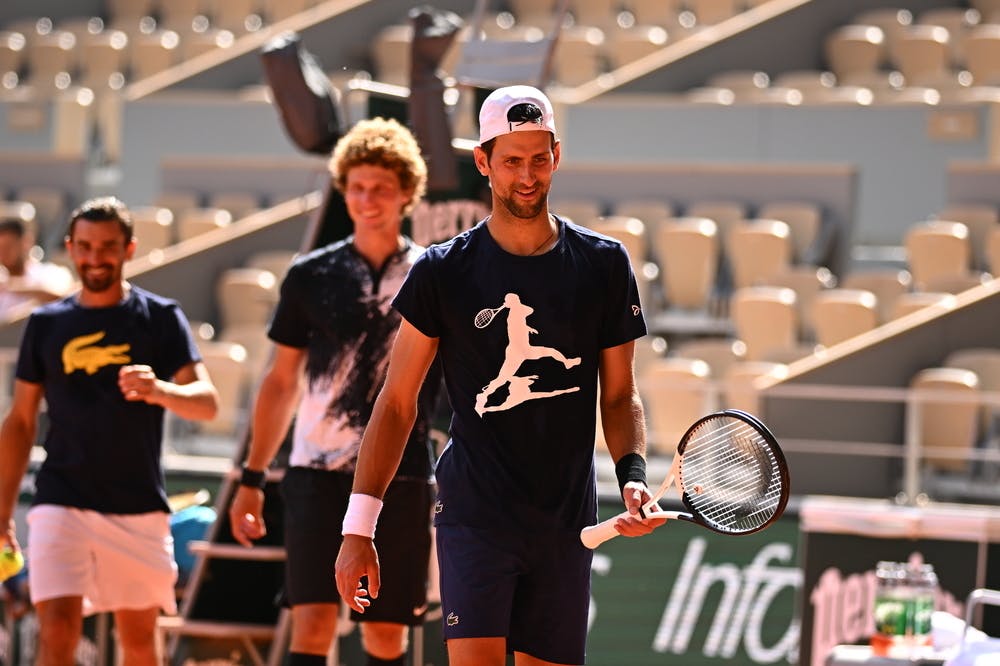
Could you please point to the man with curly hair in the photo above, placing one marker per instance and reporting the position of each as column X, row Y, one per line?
column 332, row 331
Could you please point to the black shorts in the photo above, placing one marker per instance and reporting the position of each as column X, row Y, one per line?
column 315, row 502
column 532, row 588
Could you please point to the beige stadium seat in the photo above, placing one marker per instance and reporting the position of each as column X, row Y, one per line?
column 887, row 284
column 765, row 319
column 844, row 95
column 626, row 45
column 648, row 348
column 245, row 296
column 51, row 55
column 102, row 56
column 253, row 337
column 391, row 54
column 725, row 214
column 980, row 218
column 12, row 50
column 180, row 14
column 197, row 221
column 710, row 12
column 922, row 53
column 740, row 81
column 811, row 235
column 948, row 414
column 710, row 95
column 806, row 81
column 651, row 211
column 956, row 284
column 758, row 249
column 631, row 232
column 153, row 53
column 687, row 251
column 238, row 16
column 985, row 362
column 720, row 353
column 581, row 211
column 51, row 210
column 740, row 385
column 989, row 10
column 807, row 282
column 579, row 55
column 958, row 21
column 922, row 301
column 128, row 12
column 840, row 314
column 153, row 228
column 937, row 249
column 205, row 41
column 893, row 21
column 676, row 392
column 853, row 49
column 226, row 365
column 276, row 261
column 993, row 252
column 982, row 54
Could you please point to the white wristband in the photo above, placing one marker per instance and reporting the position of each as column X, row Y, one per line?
column 362, row 514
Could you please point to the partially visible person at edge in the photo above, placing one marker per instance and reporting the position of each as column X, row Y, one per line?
column 332, row 331
column 107, row 360
column 24, row 280
column 529, row 314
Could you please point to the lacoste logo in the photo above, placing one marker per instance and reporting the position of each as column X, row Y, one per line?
column 76, row 355
column 636, row 310
column 438, row 507
column 452, row 619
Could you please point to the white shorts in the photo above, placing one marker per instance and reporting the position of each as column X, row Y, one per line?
column 114, row 562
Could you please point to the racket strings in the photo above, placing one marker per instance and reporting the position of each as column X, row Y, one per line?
column 730, row 476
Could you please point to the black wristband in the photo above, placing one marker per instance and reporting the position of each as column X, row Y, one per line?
column 630, row 467
column 253, row 478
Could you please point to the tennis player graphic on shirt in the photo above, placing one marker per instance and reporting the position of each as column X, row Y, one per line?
column 519, row 349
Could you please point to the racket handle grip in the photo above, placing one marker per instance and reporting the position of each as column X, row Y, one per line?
column 595, row 535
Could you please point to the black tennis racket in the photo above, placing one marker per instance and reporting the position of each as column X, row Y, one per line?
column 731, row 474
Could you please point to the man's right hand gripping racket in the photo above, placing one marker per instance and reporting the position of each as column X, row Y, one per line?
column 731, row 475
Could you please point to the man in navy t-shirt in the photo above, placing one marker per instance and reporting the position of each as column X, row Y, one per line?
column 530, row 314
column 107, row 360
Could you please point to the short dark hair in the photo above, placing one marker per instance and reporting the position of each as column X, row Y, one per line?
column 13, row 225
column 103, row 209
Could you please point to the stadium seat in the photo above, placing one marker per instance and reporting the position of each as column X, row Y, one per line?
column 239, row 204
column 840, row 314
column 253, row 337
column 12, row 51
column 893, row 21
column 981, row 219
column 807, row 282
column 579, row 210
column 651, row 211
column 710, row 12
column 153, row 228
column 687, row 251
column 536, row 13
column 758, row 249
column 989, row 10
column 948, row 415
column 993, row 252
column 922, row 301
column 982, row 54
column 128, row 12
column 854, row 49
column 739, row 387
column 179, row 202
column 676, row 392
column 578, row 56
column 598, row 13
column 936, row 249
column 197, row 221
column 958, row 21
column 276, row 261
column 765, row 319
column 812, row 236
column 279, row 10
column 245, row 296
column 887, row 284
column 626, row 45
column 661, row 13
column 725, row 214
column 226, row 365
column 985, row 362
column 179, row 14
column 922, row 53
column 237, row 16
column 102, row 56
column 720, row 353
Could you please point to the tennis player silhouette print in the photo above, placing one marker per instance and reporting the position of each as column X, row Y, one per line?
column 519, row 349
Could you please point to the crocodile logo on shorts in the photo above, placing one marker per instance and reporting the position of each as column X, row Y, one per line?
column 78, row 355
column 452, row 619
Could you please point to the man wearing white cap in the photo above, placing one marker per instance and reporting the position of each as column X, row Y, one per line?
column 529, row 313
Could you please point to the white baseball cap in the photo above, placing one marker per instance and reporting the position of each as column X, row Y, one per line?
column 515, row 109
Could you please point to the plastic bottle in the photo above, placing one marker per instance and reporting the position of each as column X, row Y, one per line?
column 924, row 584
column 893, row 611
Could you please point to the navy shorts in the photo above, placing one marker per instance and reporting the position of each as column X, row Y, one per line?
column 533, row 588
column 315, row 502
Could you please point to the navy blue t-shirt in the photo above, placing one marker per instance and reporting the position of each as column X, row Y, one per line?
column 102, row 451
column 520, row 341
